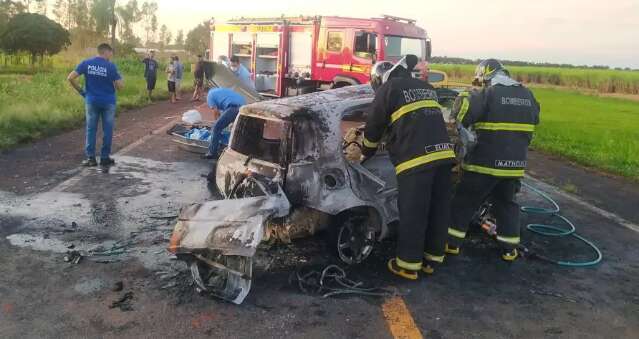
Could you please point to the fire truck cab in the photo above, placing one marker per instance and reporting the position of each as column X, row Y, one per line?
column 291, row 56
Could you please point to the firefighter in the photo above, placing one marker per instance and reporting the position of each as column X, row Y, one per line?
column 503, row 114
column 406, row 111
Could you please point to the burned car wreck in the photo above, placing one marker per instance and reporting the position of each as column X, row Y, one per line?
column 291, row 169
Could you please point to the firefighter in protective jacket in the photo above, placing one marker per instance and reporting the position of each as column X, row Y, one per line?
column 503, row 114
column 406, row 112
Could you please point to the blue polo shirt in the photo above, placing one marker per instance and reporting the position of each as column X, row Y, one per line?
column 223, row 98
column 99, row 75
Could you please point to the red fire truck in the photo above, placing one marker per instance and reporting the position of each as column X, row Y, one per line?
column 290, row 56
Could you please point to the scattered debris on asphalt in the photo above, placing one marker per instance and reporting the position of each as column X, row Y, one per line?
column 124, row 302
column 168, row 217
column 118, row 286
column 332, row 281
column 73, row 257
column 553, row 294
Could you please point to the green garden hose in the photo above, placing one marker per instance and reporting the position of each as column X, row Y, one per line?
column 556, row 231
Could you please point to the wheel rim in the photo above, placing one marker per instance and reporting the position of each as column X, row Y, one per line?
column 354, row 241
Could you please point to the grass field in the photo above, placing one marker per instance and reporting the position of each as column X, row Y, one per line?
column 33, row 106
column 593, row 131
column 603, row 81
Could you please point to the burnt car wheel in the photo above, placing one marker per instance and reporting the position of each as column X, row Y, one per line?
column 226, row 277
column 355, row 239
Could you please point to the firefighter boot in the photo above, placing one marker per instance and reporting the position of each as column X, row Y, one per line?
column 410, row 274
column 452, row 249
column 431, row 262
column 510, row 254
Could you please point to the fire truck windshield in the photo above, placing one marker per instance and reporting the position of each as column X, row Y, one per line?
column 396, row 46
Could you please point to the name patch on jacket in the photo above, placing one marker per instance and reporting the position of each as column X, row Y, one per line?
column 516, row 101
column 417, row 94
column 440, row 147
column 510, row 163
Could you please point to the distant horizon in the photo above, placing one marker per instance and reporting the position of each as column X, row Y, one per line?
column 577, row 32
column 507, row 61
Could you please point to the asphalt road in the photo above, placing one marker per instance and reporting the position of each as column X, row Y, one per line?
column 129, row 213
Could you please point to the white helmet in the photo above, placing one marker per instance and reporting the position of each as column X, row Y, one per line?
column 384, row 70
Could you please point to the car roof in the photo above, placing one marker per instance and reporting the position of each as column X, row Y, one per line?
column 323, row 105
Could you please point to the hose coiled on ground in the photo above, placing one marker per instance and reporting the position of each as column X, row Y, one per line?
column 556, row 231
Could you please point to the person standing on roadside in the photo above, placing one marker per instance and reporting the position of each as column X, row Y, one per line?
column 179, row 75
column 198, row 75
column 150, row 72
column 102, row 79
column 171, row 77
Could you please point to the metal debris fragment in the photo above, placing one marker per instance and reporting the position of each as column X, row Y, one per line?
column 332, row 281
column 124, row 302
column 73, row 257
column 118, row 286
column 553, row 294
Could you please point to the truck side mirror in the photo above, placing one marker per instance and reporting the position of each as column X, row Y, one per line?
column 429, row 49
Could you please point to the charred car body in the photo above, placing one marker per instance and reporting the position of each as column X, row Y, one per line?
column 286, row 175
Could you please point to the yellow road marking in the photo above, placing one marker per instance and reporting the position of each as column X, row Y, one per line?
column 399, row 320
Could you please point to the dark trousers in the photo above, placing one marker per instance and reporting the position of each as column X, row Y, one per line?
column 472, row 191
column 227, row 118
column 424, row 212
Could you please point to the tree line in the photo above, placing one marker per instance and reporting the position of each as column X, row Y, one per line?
column 27, row 26
column 463, row 61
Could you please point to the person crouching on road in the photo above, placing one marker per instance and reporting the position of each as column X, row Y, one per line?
column 228, row 103
column 503, row 114
column 101, row 80
column 423, row 156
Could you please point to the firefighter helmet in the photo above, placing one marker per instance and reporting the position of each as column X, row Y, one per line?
column 487, row 69
column 377, row 73
column 404, row 67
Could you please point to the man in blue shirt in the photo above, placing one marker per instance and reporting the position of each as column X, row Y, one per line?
column 241, row 72
column 228, row 103
column 101, row 79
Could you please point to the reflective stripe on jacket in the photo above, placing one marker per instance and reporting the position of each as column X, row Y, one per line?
column 406, row 112
column 504, row 118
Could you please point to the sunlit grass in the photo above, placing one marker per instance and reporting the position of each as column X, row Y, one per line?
column 591, row 130
column 33, row 106
column 601, row 80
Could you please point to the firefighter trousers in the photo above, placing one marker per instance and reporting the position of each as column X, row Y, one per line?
column 471, row 192
column 424, row 215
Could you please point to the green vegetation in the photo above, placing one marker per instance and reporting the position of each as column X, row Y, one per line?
column 601, row 80
column 35, row 34
column 43, row 104
column 591, row 130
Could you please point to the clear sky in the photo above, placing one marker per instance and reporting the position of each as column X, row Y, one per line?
column 563, row 31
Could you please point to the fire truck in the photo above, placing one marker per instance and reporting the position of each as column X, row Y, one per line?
column 296, row 55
